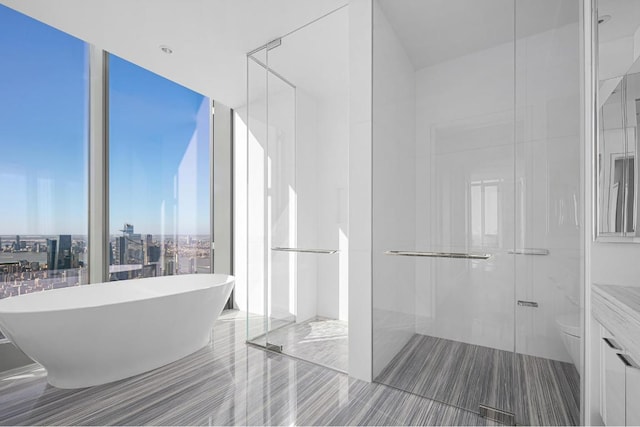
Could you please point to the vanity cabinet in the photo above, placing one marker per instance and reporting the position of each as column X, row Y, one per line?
column 617, row 310
column 633, row 396
column 620, row 382
column 613, row 403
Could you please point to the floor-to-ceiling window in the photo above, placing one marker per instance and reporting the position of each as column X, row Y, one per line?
column 43, row 157
column 159, row 197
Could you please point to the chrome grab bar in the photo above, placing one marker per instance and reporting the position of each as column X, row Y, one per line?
column 440, row 254
column 529, row 251
column 308, row 251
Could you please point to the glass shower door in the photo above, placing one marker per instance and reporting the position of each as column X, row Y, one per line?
column 271, row 211
column 443, row 201
column 256, row 198
column 477, row 210
column 306, row 188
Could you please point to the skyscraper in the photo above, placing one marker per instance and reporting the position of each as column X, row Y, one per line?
column 110, row 253
column 154, row 253
column 170, row 267
column 17, row 244
column 64, row 251
column 122, row 250
column 52, row 254
column 64, row 243
column 148, row 243
column 127, row 229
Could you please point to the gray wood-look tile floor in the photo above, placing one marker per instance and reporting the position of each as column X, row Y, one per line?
column 320, row 340
column 227, row 383
column 538, row 391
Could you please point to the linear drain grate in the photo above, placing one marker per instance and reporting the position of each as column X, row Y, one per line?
column 502, row 417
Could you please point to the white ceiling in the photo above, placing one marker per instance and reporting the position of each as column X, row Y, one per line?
column 625, row 19
column 434, row 31
column 209, row 38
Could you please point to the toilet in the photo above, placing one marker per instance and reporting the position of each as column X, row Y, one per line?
column 569, row 326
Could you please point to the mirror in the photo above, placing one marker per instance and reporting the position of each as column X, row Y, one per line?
column 618, row 72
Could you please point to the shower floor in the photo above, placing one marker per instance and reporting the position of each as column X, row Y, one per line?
column 539, row 391
column 320, row 340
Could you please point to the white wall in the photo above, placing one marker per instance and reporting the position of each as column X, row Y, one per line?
column 360, row 33
column 322, row 189
column 394, row 197
column 332, row 163
column 615, row 263
column 307, row 188
column 282, row 198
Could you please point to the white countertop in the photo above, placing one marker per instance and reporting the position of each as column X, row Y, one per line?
column 617, row 308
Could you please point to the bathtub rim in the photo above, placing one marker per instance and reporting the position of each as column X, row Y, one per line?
column 228, row 279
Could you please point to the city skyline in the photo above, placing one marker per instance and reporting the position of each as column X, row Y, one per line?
column 159, row 140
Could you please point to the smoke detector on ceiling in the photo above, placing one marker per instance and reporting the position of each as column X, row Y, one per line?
column 166, row 49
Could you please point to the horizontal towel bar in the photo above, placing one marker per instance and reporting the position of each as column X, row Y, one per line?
column 440, row 254
column 308, row 251
column 529, row 251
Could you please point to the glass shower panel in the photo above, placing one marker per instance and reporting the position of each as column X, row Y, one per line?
column 443, row 205
column 308, row 145
column 281, row 190
column 548, row 222
column 271, row 200
column 257, row 302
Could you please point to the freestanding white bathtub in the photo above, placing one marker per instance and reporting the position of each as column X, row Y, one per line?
column 90, row 335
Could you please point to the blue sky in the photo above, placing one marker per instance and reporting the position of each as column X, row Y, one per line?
column 158, row 140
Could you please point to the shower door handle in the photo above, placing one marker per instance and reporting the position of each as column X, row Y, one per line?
column 529, row 251
column 464, row 255
column 306, row 251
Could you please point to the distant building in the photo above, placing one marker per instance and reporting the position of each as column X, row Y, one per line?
column 65, row 258
column 16, row 245
column 154, row 254
column 170, row 268
column 148, row 243
column 52, row 254
column 110, row 253
column 64, row 243
column 122, row 250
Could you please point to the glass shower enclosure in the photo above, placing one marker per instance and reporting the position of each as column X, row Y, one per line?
column 297, row 194
column 477, row 205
